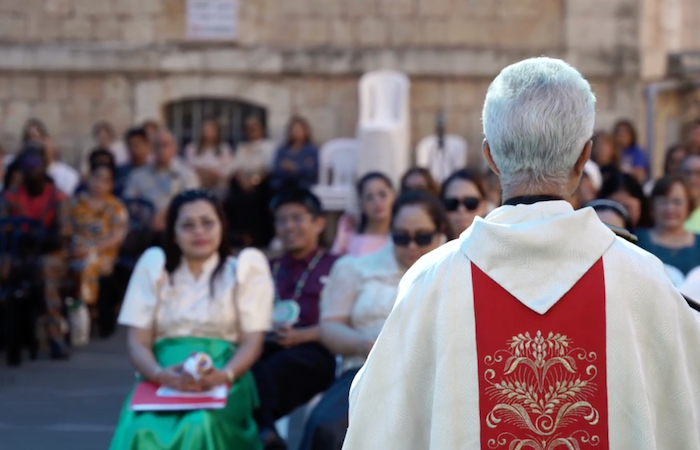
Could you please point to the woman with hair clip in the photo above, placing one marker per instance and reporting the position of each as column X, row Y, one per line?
column 376, row 194
column 210, row 156
column 193, row 297
column 357, row 300
column 611, row 213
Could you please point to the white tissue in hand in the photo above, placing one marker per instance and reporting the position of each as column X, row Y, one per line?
column 198, row 364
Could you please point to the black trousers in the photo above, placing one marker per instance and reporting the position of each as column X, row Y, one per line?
column 289, row 378
column 328, row 422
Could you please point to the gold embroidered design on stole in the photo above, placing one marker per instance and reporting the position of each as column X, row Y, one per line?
column 541, row 390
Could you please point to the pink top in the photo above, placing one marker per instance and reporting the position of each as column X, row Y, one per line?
column 348, row 242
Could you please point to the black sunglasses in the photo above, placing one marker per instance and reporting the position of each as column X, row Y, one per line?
column 405, row 239
column 470, row 203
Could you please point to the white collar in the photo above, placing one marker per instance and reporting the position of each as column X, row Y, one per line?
column 207, row 269
column 537, row 252
column 380, row 263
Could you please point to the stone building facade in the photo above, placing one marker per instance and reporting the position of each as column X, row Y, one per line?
column 73, row 62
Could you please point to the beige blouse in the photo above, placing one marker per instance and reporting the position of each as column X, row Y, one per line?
column 254, row 158
column 364, row 289
column 182, row 305
column 209, row 158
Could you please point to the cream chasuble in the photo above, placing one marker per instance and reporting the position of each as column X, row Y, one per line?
column 538, row 329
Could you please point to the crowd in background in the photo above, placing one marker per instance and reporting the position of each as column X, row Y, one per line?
column 82, row 231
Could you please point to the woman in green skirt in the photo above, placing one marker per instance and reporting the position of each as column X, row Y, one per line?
column 190, row 297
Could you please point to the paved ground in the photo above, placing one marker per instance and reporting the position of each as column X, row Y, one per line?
column 71, row 405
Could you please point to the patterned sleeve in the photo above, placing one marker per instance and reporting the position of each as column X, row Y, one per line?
column 254, row 291
column 139, row 306
column 120, row 216
column 68, row 228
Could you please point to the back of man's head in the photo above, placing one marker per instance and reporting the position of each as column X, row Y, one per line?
column 537, row 117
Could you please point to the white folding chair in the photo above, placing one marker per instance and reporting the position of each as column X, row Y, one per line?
column 384, row 124
column 338, row 170
column 338, row 162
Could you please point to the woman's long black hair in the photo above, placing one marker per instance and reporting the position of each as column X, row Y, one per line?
column 464, row 175
column 307, row 128
column 627, row 183
column 173, row 254
column 361, row 185
column 432, row 206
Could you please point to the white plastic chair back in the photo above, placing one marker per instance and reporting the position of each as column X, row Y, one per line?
column 442, row 163
column 338, row 162
column 384, row 97
column 384, row 124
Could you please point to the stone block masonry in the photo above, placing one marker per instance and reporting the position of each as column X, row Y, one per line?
column 73, row 62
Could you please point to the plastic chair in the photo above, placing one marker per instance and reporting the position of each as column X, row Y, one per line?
column 337, row 173
column 442, row 162
column 338, row 162
column 384, row 125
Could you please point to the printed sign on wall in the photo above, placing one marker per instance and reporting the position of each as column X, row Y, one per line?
column 212, row 20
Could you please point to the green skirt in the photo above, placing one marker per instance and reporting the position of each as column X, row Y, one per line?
column 232, row 427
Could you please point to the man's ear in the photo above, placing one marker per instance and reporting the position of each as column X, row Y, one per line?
column 583, row 158
column 489, row 159
column 321, row 224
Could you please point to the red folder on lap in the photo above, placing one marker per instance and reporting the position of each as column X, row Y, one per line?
column 151, row 397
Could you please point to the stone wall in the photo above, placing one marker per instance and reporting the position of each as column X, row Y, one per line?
column 485, row 24
column 72, row 62
column 69, row 104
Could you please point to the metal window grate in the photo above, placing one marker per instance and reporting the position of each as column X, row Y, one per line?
column 184, row 118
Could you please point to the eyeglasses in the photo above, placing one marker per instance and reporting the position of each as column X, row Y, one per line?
column 677, row 202
column 405, row 239
column 470, row 203
column 293, row 219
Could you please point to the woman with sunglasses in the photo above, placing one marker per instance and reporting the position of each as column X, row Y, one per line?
column 358, row 298
column 464, row 198
column 193, row 297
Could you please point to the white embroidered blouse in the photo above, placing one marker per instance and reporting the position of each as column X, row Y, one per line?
column 364, row 289
column 182, row 305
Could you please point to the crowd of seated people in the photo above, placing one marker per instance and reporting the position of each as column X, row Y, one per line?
column 96, row 221
column 339, row 295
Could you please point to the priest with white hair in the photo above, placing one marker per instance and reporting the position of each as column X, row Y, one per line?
column 538, row 328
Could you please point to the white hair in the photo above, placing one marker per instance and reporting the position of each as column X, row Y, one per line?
column 537, row 117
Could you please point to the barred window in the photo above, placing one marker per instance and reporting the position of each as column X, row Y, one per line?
column 184, row 118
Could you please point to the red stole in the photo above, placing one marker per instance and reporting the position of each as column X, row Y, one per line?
column 542, row 378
